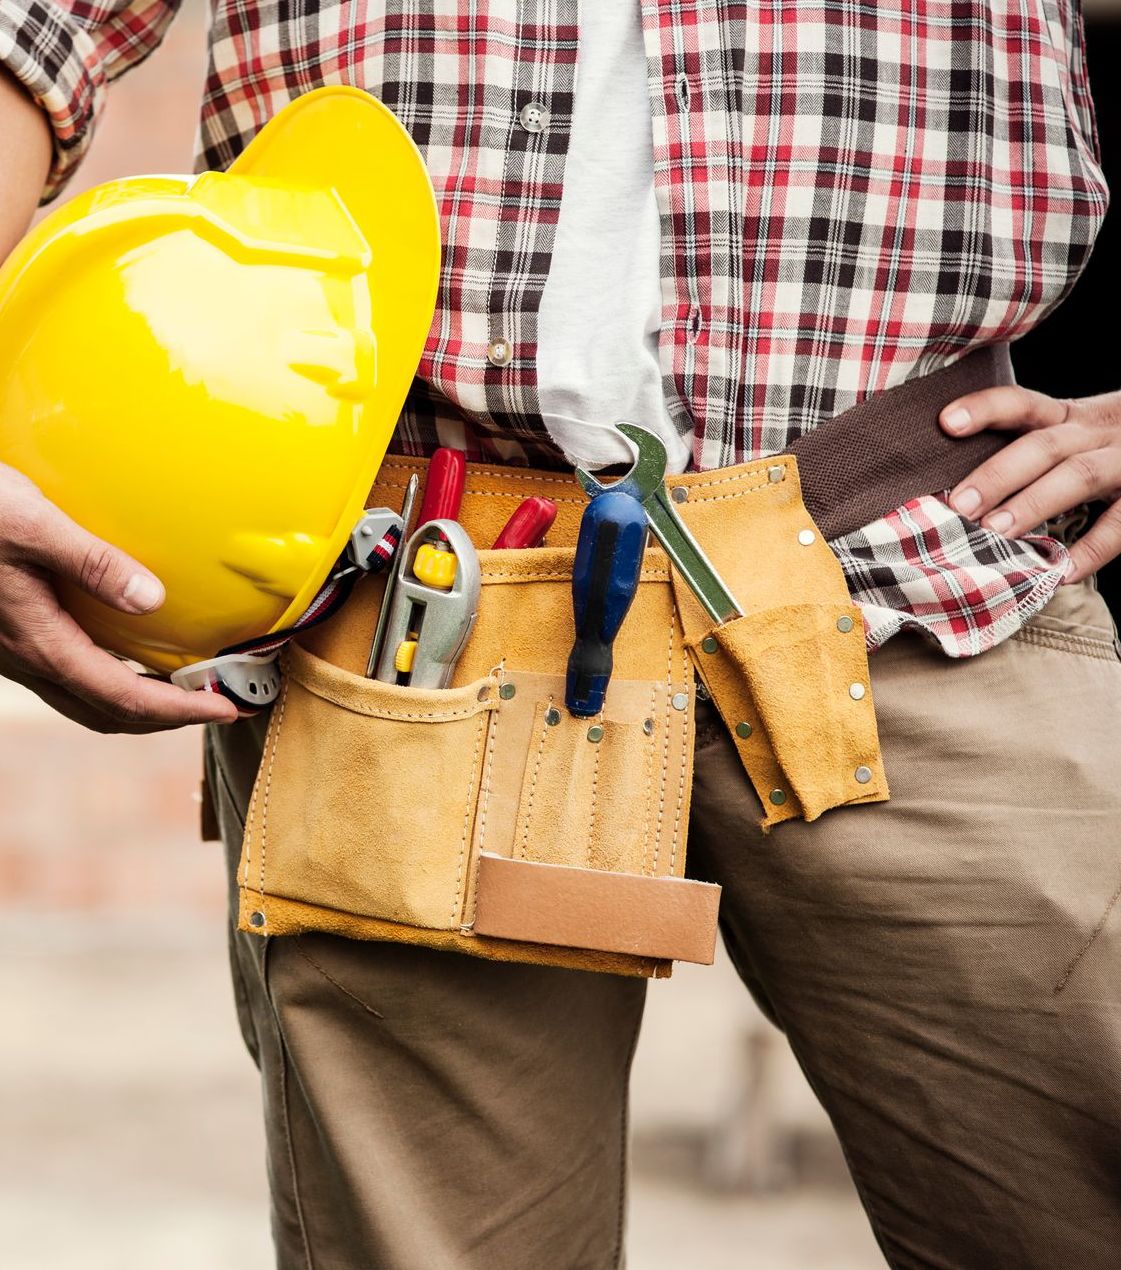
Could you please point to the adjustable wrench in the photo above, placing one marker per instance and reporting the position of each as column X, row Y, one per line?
column 646, row 483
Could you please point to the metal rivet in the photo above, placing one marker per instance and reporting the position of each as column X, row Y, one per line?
column 679, row 700
column 844, row 625
column 648, row 726
column 484, row 693
column 776, row 474
column 778, row 797
column 500, row 352
column 552, row 716
column 507, row 691
column 806, row 536
column 856, row 691
column 743, row 729
column 863, row 774
column 595, row 732
column 709, row 644
column 679, row 493
column 256, row 918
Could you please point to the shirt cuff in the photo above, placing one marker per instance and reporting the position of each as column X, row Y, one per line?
column 58, row 63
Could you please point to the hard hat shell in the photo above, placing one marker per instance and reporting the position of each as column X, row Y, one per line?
column 206, row 371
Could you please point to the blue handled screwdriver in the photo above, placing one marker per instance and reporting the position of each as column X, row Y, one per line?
column 604, row 581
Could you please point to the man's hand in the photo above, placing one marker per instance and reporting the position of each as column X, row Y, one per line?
column 42, row 647
column 1070, row 453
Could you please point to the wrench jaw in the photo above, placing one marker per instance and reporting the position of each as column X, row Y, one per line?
column 646, row 482
column 440, row 619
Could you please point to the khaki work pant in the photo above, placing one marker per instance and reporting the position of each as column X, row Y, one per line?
column 946, row 966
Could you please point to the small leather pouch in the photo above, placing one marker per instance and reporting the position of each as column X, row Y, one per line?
column 790, row 678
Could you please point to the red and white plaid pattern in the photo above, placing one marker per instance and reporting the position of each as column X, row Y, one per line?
column 852, row 195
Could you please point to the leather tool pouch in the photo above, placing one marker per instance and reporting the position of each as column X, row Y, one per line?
column 485, row 818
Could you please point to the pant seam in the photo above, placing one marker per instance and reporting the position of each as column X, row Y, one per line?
column 624, row 1140
column 282, row 1051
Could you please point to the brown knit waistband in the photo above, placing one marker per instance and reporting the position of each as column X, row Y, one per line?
column 861, row 464
column 854, row 468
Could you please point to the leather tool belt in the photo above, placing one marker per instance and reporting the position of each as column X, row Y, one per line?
column 486, row 819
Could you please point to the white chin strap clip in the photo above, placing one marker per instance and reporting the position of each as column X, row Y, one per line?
column 249, row 680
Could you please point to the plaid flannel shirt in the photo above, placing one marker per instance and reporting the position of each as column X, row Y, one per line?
column 851, row 195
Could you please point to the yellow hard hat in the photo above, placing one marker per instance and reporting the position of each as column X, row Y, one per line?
column 206, row 371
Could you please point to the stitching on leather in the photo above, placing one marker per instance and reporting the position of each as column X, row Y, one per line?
column 681, row 776
column 467, row 820
column 595, row 795
column 1089, row 942
column 268, row 783
column 251, row 811
column 665, row 756
column 327, row 693
column 533, row 783
column 484, row 804
column 648, row 754
column 1083, row 645
column 650, row 573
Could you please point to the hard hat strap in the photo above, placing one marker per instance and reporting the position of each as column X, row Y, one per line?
column 244, row 672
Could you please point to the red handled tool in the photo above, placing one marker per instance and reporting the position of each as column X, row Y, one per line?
column 530, row 522
column 443, row 487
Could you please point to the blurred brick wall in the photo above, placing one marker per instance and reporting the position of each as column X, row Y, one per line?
column 110, row 823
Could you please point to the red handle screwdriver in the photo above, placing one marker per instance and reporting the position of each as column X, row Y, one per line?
column 529, row 524
column 443, row 486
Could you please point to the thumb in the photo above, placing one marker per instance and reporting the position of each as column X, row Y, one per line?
column 102, row 570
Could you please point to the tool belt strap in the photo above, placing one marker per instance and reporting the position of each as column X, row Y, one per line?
column 889, row 449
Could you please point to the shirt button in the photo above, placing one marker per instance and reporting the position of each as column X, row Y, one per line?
column 534, row 117
column 500, row 352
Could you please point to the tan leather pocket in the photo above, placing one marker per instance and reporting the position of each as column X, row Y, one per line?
column 367, row 795
column 793, row 686
column 377, row 808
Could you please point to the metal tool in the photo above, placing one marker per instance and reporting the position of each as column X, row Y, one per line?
column 530, row 521
column 646, row 483
column 604, row 582
column 407, row 506
column 427, row 626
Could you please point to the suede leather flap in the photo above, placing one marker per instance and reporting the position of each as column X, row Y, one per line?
column 797, row 676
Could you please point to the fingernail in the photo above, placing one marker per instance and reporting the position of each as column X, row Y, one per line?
column 958, row 419
column 143, row 593
column 998, row 522
column 967, row 501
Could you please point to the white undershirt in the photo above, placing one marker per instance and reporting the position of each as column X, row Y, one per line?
column 597, row 353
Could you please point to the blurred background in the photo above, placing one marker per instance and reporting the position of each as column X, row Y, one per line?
column 131, row 1133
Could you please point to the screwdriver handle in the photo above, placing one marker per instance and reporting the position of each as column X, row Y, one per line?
column 443, row 486
column 530, row 522
column 604, row 582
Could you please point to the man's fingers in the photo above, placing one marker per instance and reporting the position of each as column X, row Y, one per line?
column 1075, row 480
column 1014, row 468
column 1098, row 546
column 1008, row 406
column 48, row 537
column 64, row 654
